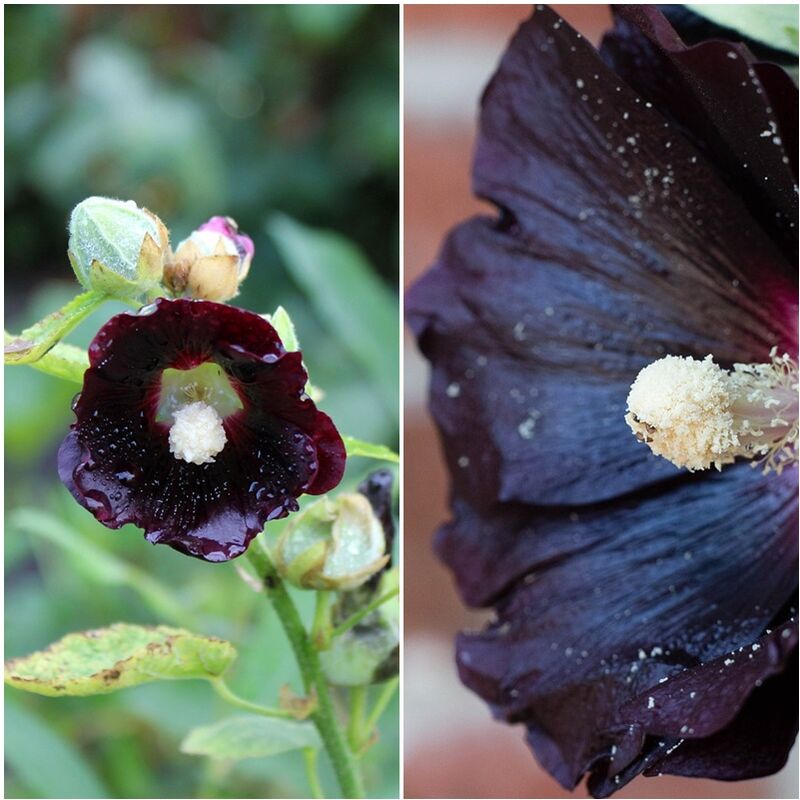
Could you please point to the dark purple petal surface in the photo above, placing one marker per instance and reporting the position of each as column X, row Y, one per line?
column 116, row 460
column 756, row 743
column 377, row 488
column 596, row 606
column 744, row 121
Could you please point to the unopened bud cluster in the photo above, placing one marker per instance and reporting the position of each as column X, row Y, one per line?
column 122, row 250
column 367, row 652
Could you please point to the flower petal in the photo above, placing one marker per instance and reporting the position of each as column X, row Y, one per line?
column 117, row 463
column 730, row 728
column 714, row 92
column 756, row 743
column 377, row 488
column 595, row 610
column 569, row 150
column 533, row 359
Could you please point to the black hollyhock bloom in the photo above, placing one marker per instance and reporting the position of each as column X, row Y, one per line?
column 193, row 424
column 645, row 614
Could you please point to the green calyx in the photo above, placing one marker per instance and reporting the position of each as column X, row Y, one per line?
column 332, row 545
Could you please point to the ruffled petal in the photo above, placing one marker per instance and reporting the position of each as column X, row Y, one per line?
column 756, row 743
column 591, row 171
column 117, row 463
column 735, row 727
column 597, row 606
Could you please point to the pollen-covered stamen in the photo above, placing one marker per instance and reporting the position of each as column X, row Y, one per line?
column 197, row 433
column 193, row 403
column 697, row 415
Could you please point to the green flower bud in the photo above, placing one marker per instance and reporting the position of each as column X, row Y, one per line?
column 333, row 544
column 117, row 248
column 368, row 652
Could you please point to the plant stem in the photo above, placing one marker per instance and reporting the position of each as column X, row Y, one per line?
column 36, row 340
column 65, row 361
column 213, row 778
column 225, row 692
column 324, row 716
column 321, row 626
column 310, row 757
column 355, row 730
column 383, row 700
column 353, row 620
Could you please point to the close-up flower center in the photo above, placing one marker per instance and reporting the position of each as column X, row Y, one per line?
column 193, row 403
column 696, row 414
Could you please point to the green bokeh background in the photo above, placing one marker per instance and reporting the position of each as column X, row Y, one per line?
column 286, row 118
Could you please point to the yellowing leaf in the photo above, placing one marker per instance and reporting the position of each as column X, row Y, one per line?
column 104, row 660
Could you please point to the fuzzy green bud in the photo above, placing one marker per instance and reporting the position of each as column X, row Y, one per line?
column 117, row 248
column 332, row 544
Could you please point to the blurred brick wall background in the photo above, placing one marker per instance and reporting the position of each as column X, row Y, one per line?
column 452, row 747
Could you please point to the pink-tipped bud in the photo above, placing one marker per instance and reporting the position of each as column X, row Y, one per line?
column 212, row 262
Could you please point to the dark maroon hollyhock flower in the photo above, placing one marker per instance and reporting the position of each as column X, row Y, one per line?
column 645, row 614
column 193, row 424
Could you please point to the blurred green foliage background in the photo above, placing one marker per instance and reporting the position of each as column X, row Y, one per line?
column 286, row 118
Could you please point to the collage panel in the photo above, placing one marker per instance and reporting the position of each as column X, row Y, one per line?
column 203, row 312
column 600, row 401
column 401, row 400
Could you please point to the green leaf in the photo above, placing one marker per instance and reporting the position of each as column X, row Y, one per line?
column 35, row 341
column 107, row 659
column 98, row 564
column 770, row 24
column 46, row 763
column 355, row 447
column 250, row 736
column 348, row 296
column 65, row 361
column 283, row 324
